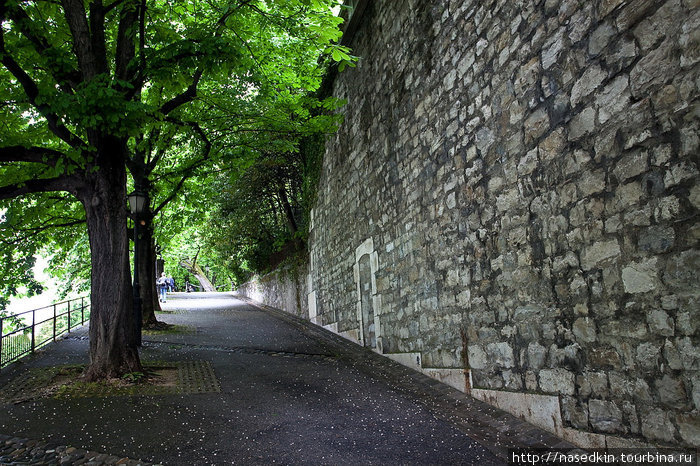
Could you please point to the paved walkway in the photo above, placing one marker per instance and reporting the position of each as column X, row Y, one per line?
column 290, row 393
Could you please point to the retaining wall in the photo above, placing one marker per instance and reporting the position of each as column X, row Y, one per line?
column 511, row 206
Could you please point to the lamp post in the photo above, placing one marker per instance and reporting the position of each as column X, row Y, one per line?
column 138, row 203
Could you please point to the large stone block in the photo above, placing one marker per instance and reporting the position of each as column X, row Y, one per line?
column 641, row 277
column 622, row 386
column 654, row 28
column 582, row 124
column 604, row 358
column 607, row 6
column 600, row 38
column 536, row 125
column 657, row 424
column 690, row 40
column 632, row 12
column 584, row 330
column 500, row 354
column 682, row 271
column 477, row 357
column 613, row 99
column 605, row 416
column 593, row 384
column 536, row 355
column 654, row 69
column 660, row 323
column 557, row 381
column 574, row 412
column 690, row 353
column 587, row 83
column 631, row 165
column 657, row 239
column 598, row 252
column 689, row 428
column 553, row 49
column 648, row 355
column 672, row 392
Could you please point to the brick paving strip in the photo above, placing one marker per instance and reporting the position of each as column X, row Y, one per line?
column 17, row 451
column 495, row 429
column 191, row 377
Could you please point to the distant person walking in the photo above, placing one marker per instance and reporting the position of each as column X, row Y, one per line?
column 171, row 284
column 162, row 284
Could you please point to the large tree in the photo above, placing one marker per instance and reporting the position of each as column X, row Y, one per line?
column 84, row 83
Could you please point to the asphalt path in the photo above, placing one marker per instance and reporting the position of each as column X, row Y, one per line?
column 287, row 397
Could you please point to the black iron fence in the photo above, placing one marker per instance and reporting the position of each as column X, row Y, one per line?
column 22, row 334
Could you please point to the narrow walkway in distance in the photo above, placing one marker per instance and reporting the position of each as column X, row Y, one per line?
column 290, row 392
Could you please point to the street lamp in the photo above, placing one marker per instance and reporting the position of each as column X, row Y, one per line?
column 138, row 203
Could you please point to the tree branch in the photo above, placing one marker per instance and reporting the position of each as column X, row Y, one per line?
column 49, row 226
column 30, row 154
column 112, row 5
column 187, row 96
column 32, row 91
column 189, row 171
column 160, row 153
column 97, row 36
column 67, row 79
column 74, row 11
column 126, row 44
column 22, row 235
column 45, row 185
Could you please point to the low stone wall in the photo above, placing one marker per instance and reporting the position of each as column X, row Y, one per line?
column 283, row 289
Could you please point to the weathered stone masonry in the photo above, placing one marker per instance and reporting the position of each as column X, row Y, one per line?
column 511, row 206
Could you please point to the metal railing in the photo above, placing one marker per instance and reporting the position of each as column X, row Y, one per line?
column 19, row 337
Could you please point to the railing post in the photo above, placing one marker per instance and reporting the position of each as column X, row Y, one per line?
column 68, row 316
column 1, row 338
column 82, row 311
column 33, row 332
column 54, row 322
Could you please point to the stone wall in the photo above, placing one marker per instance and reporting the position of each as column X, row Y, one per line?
column 511, row 206
column 282, row 289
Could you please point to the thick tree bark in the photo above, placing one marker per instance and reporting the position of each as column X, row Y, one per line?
column 147, row 269
column 147, row 274
column 113, row 350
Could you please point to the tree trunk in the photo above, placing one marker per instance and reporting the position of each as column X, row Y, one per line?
column 113, row 350
column 196, row 270
column 147, row 275
column 288, row 213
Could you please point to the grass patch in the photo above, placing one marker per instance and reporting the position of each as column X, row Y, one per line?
column 154, row 380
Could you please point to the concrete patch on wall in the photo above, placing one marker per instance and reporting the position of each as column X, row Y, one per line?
column 455, row 378
column 412, row 360
column 544, row 411
column 368, row 302
column 352, row 335
column 313, row 316
column 540, row 410
column 332, row 327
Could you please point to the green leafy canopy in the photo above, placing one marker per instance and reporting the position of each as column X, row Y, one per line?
column 193, row 89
